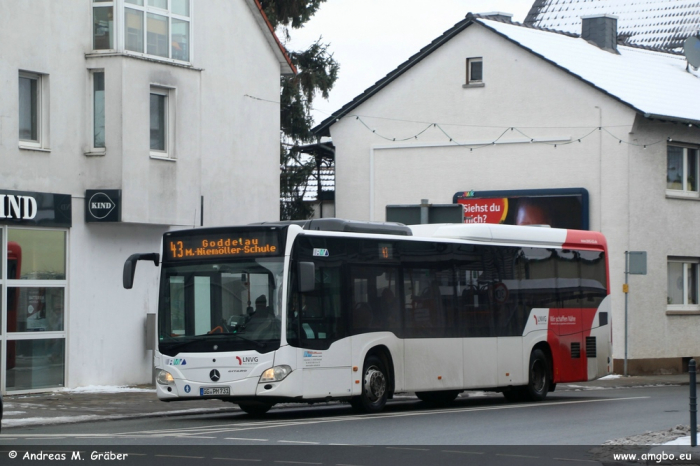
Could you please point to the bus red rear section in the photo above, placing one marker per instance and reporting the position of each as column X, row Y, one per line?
column 568, row 330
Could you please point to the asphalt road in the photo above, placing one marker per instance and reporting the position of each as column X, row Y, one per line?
column 568, row 417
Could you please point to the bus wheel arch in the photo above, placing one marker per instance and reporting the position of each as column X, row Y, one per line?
column 540, row 380
column 545, row 348
column 377, row 381
column 540, row 372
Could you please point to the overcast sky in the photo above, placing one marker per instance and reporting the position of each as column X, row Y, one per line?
column 369, row 38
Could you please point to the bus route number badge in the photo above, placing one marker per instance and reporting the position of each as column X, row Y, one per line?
column 321, row 252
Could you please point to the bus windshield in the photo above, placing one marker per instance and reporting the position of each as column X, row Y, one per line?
column 231, row 305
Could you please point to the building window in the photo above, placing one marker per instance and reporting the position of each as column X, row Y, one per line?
column 475, row 70
column 34, row 308
column 161, row 122
column 159, row 28
column 683, row 284
column 29, row 107
column 33, row 110
column 103, row 25
column 682, row 170
column 98, row 109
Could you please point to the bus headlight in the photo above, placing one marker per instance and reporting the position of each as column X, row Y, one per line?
column 165, row 378
column 275, row 374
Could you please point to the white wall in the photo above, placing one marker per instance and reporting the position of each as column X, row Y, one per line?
column 106, row 333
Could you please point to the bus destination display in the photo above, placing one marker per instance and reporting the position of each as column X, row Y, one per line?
column 233, row 244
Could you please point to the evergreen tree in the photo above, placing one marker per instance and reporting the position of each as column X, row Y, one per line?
column 317, row 72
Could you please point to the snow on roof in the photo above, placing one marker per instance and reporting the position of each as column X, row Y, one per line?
column 652, row 82
column 651, row 23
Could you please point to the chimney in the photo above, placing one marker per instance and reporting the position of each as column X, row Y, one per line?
column 496, row 16
column 600, row 30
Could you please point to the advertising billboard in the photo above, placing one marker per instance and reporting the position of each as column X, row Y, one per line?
column 558, row 208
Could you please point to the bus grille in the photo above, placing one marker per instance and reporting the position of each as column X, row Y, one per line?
column 591, row 347
column 575, row 350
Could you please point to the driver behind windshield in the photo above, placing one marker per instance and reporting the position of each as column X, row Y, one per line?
column 263, row 322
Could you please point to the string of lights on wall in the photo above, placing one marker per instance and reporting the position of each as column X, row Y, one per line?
column 473, row 146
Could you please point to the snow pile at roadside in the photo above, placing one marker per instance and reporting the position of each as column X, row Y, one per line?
column 107, row 389
column 664, row 437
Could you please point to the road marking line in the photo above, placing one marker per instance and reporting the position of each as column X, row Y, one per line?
column 295, row 462
column 305, row 443
column 465, row 452
column 402, row 448
column 235, row 459
column 46, row 438
column 248, row 439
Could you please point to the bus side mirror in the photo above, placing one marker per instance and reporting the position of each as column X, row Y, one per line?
column 130, row 266
column 307, row 277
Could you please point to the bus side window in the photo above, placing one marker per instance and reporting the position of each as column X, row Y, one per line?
column 374, row 306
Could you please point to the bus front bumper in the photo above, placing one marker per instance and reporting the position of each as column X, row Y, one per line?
column 251, row 387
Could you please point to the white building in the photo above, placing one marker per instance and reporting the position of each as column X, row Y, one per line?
column 497, row 106
column 157, row 114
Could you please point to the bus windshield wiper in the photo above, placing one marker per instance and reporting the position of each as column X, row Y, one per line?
column 176, row 345
column 229, row 334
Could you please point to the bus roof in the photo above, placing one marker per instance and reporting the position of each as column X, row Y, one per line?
column 505, row 234
column 348, row 226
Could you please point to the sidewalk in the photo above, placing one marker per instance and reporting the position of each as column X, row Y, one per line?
column 99, row 403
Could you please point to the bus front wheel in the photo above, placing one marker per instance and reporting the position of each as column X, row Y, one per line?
column 375, row 384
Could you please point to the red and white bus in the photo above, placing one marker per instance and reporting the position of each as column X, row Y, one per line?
column 332, row 309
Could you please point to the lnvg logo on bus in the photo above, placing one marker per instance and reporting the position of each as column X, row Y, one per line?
column 312, row 354
column 540, row 320
column 177, row 362
column 247, row 360
column 321, row 252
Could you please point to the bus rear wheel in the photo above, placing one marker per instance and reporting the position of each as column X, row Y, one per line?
column 438, row 398
column 254, row 408
column 539, row 378
column 375, row 384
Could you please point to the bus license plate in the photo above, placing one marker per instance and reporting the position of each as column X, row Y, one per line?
column 214, row 391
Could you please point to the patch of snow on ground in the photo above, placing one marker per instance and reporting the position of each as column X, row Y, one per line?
column 610, row 377
column 664, row 437
column 679, row 441
column 587, row 387
column 46, row 420
column 108, row 389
